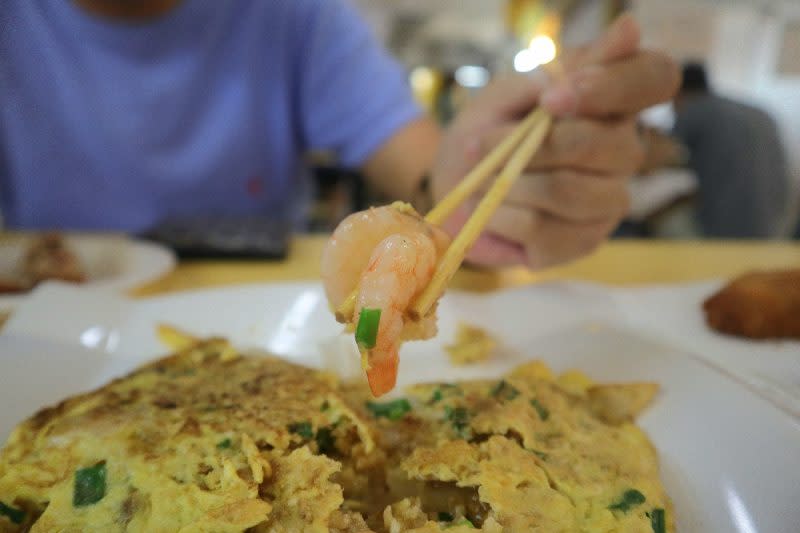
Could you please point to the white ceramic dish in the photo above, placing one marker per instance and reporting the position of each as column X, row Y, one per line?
column 675, row 315
column 730, row 459
column 111, row 262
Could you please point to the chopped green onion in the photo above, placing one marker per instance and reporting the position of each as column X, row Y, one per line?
column 224, row 444
column 658, row 521
column 301, row 428
column 630, row 498
column 458, row 417
column 394, row 410
column 90, row 485
column 504, row 391
column 445, row 389
column 367, row 328
column 541, row 410
column 444, row 517
column 325, row 406
column 325, row 442
column 15, row 515
column 541, row 455
column 462, row 522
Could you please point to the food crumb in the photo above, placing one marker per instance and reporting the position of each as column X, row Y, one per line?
column 472, row 345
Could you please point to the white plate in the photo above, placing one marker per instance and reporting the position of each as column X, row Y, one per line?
column 675, row 314
column 730, row 459
column 111, row 262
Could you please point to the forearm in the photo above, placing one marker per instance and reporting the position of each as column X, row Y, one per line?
column 398, row 167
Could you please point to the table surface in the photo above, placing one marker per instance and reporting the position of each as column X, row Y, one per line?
column 619, row 262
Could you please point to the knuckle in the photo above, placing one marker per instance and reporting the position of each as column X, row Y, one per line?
column 635, row 152
column 577, row 142
column 562, row 189
column 637, row 157
column 624, row 149
column 595, row 236
column 665, row 70
column 624, row 205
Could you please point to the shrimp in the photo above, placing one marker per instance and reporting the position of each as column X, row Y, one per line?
column 390, row 253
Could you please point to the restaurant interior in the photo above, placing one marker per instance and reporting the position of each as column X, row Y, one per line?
column 750, row 50
column 400, row 266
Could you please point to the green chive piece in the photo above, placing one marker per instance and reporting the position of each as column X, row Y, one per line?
column 394, row 410
column 15, row 515
column 444, row 517
column 444, row 390
column 367, row 329
column 325, row 441
column 630, row 498
column 224, row 444
column 458, row 418
column 325, row 406
column 462, row 522
column 541, row 410
column 301, row 428
column 658, row 521
column 504, row 391
column 436, row 397
column 541, row 455
column 90, row 485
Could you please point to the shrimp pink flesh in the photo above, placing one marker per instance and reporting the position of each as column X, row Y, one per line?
column 398, row 270
column 390, row 255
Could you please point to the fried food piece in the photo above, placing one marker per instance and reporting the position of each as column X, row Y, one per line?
column 50, row 258
column 758, row 305
column 12, row 286
column 616, row 404
column 472, row 345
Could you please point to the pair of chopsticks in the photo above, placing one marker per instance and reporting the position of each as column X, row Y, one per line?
column 516, row 151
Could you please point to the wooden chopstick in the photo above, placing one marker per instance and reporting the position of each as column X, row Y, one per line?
column 527, row 137
column 482, row 171
column 472, row 229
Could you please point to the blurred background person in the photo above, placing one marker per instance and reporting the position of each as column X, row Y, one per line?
column 735, row 151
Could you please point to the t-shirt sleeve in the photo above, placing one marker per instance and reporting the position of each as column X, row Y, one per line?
column 353, row 95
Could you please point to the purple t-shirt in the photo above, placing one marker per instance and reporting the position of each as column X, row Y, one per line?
column 207, row 109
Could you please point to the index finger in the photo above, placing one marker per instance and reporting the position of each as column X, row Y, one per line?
column 619, row 41
column 626, row 86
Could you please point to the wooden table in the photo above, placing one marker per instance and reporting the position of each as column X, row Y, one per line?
column 621, row 262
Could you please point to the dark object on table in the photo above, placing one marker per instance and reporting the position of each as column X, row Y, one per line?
column 12, row 286
column 47, row 257
column 219, row 237
column 759, row 305
column 50, row 258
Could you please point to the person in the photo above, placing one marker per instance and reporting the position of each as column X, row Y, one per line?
column 115, row 114
column 736, row 152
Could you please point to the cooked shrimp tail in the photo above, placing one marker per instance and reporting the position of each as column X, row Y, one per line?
column 382, row 374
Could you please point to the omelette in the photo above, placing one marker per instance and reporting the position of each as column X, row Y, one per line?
column 212, row 440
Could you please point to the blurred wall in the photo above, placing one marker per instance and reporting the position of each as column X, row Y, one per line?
column 418, row 29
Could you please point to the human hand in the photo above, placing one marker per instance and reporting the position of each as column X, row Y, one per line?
column 574, row 192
